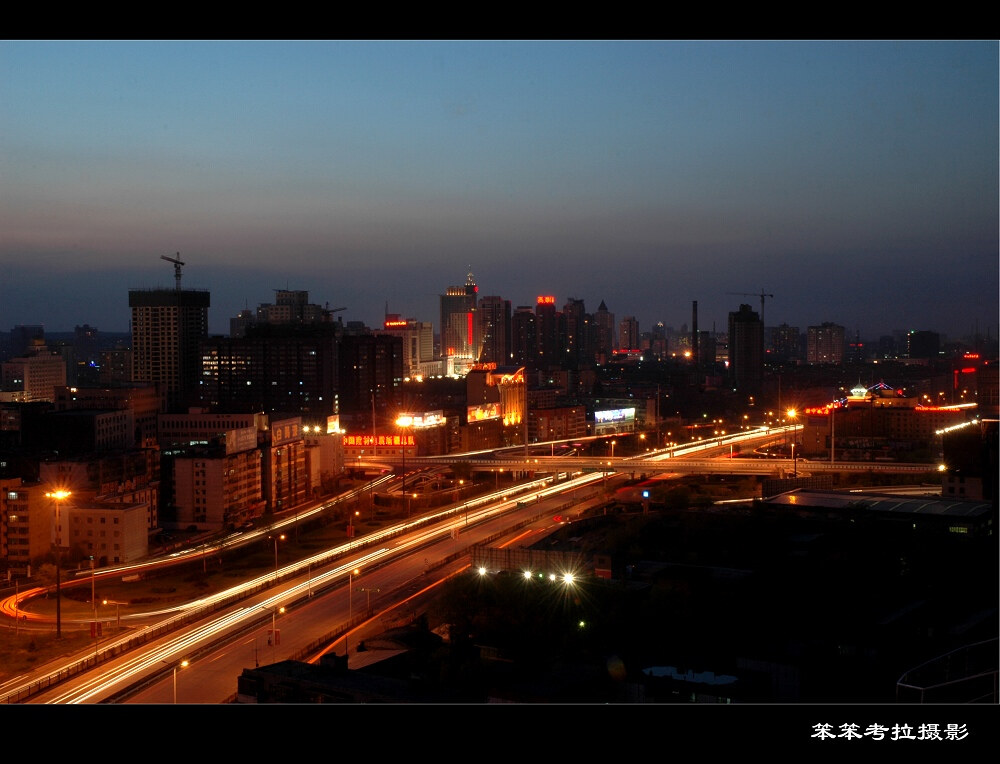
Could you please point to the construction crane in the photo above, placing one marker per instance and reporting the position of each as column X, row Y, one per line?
column 761, row 295
column 177, row 268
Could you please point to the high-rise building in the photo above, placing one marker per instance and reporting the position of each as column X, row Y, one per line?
column 825, row 343
column 371, row 378
column 287, row 368
column 547, row 331
column 576, row 339
column 785, row 342
column 418, row 344
column 494, row 328
column 523, row 340
column 460, row 342
column 604, row 328
column 746, row 349
column 167, row 327
column 628, row 334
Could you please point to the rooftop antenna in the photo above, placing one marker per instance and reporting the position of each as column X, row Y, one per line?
column 177, row 268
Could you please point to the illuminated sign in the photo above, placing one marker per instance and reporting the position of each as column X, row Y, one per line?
column 614, row 415
column 483, row 412
column 546, row 299
column 392, row 324
column 378, row 440
column 427, row 419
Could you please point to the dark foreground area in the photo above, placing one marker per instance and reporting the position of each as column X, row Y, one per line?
column 706, row 605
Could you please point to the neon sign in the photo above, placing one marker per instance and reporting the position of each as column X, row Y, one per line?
column 546, row 299
column 378, row 440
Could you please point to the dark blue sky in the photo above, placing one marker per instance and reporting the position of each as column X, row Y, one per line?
column 857, row 182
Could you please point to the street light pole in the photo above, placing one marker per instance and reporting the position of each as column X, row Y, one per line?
column 282, row 537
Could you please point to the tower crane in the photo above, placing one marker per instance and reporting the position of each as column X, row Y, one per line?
column 761, row 295
column 177, row 268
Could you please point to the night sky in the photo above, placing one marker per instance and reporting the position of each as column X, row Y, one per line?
column 855, row 181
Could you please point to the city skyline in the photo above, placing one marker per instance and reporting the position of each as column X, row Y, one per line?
column 854, row 181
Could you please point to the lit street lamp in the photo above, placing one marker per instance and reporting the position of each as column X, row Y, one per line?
column 182, row 664
column 118, row 611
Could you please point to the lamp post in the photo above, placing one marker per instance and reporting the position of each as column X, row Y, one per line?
column 183, row 663
column 795, row 462
column 93, row 590
column 350, row 594
column 404, row 422
column 57, row 497
column 118, row 611
column 273, row 641
column 368, row 590
column 282, row 537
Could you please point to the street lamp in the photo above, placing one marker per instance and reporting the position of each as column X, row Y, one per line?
column 405, row 422
column 58, row 497
column 368, row 590
column 276, row 538
column 350, row 593
column 118, row 611
column 182, row 664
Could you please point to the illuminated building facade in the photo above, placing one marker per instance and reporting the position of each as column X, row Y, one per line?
column 167, row 326
column 26, row 524
column 418, row 345
column 460, row 341
column 879, row 423
column 113, row 533
column 33, row 377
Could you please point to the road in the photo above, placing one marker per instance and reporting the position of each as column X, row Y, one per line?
column 221, row 644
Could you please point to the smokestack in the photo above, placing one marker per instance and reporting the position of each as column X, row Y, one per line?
column 694, row 332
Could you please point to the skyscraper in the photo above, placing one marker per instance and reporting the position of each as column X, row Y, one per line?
column 494, row 323
column 547, row 331
column 459, row 329
column 746, row 349
column 604, row 327
column 523, row 340
column 167, row 326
